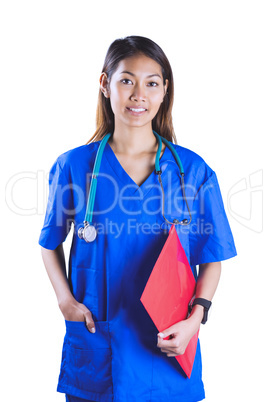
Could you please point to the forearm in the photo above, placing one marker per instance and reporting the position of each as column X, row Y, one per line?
column 54, row 262
column 183, row 331
column 207, row 282
column 208, row 279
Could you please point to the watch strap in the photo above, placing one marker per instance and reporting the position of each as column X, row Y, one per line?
column 206, row 304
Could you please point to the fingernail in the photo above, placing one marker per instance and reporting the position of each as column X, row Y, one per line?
column 161, row 335
column 93, row 330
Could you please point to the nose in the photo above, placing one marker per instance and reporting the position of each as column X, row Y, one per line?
column 138, row 94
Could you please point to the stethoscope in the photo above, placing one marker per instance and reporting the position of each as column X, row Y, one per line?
column 88, row 232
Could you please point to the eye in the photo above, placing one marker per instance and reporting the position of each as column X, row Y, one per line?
column 153, row 84
column 126, row 81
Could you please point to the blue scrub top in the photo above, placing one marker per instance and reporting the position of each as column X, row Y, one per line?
column 121, row 361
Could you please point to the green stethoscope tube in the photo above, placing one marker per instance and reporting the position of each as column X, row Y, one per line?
column 172, row 149
column 93, row 184
column 184, row 222
column 96, row 168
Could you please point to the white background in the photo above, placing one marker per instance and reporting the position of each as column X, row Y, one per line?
column 52, row 54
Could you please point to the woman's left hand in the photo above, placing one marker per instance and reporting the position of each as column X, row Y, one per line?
column 181, row 334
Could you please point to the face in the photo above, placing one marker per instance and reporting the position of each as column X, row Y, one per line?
column 136, row 91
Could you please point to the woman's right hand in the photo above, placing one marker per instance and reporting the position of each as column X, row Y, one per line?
column 74, row 311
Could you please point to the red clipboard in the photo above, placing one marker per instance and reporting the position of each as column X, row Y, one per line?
column 168, row 292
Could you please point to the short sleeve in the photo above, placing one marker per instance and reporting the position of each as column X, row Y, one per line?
column 59, row 212
column 211, row 238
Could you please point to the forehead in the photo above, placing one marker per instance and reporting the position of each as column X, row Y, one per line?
column 139, row 65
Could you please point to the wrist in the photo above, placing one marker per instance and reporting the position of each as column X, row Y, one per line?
column 200, row 302
column 66, row 300
column 196, row 315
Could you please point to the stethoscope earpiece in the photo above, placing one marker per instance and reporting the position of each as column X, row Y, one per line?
column 184, row 222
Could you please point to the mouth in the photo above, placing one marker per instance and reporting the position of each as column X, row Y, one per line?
column 136, row 110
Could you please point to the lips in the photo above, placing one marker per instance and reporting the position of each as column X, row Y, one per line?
column 139, row 109
column 136, row 110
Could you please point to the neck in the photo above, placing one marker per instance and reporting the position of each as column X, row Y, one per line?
column 133, row 140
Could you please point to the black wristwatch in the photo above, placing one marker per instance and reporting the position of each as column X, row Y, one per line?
column 203, row 302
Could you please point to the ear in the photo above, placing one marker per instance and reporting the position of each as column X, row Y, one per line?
column 104, row 85
column 166, row 87
column 165, row 90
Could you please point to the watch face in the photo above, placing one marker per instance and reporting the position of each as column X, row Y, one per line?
column 90, row 233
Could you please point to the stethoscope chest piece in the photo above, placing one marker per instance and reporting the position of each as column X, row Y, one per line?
column 88, row 232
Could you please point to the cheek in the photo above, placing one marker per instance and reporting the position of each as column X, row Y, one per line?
column 117, row 98
column 115, row 103
column 156, row 100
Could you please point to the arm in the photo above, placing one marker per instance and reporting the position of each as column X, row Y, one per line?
column 182, row 332
column 54, row 262
column 207, row 283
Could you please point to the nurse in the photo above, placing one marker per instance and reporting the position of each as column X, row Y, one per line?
column 112, row 351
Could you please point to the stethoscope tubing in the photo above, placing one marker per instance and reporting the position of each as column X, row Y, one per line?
column 93, row 184
column 171, row 148
column 88, row 222
column 184, row 222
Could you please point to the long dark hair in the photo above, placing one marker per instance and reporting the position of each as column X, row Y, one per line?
column 119, row 50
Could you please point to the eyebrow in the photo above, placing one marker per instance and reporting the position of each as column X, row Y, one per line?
column 133, row 75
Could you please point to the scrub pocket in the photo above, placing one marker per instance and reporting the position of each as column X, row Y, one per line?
column 86, row 364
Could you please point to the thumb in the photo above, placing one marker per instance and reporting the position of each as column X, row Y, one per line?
column 166, row 332
column 89, row 322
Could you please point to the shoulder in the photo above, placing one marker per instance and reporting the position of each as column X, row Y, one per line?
column 188, row 153
column 194, row 164
column 192, row 159
column 83, row 154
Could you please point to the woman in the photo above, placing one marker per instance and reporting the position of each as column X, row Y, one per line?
column 112, row 350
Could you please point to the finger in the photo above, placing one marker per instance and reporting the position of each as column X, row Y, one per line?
column 89, row 322
column 172, row 353
column 163, row 335
column 168, row 343
column 165, row 350
column 168, row 331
